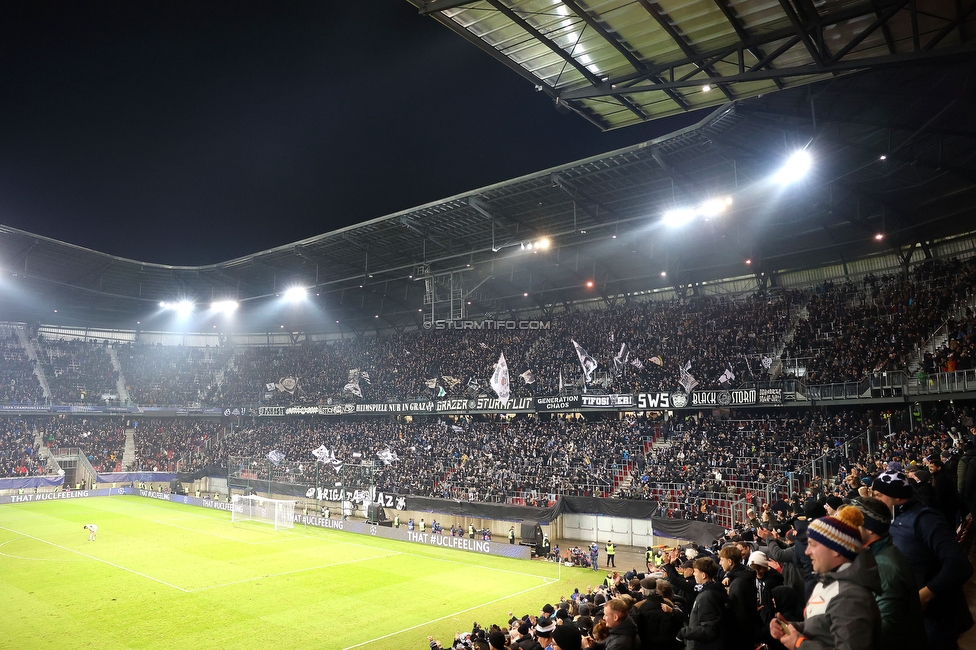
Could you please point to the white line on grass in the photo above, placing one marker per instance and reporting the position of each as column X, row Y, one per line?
column 435, row 620
column 34, row 559
column 97, row 559
column 286, row 573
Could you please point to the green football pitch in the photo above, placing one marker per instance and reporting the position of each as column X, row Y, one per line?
column 164, row 575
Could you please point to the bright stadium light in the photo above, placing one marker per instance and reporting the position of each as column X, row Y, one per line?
column 543, row 243
column 183, row 308
column 296, row 294
column 678, row 217
column 224, row 306
column 796, row 167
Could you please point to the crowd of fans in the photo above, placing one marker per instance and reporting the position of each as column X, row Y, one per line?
column 871, row 559
column 878, row 323
column 77, row 372
column 158, row 375
column 102, row 440
column 847, row 331
column 18, row 382
column 18, row 451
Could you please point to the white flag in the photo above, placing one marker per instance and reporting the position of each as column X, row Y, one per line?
column 587, row 362
column 322, row 454
column 637, row 363
column 456, row 429
column 499, row 380
column 528, row 377
column 276, row 457
column 767, row 362
column 354, row 389
column 687, row 381
column 727, row 376
column 337, row 465
column 387, row 456
column 622, row 357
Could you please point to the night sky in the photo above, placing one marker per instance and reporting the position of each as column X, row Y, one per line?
column 196, row 132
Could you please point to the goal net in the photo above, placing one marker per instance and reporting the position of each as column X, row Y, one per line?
column 272, row 511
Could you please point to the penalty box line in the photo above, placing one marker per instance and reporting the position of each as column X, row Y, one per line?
column 446, row 616
column 97, row 559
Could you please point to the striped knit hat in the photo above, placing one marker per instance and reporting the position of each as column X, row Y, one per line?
column 840, row 532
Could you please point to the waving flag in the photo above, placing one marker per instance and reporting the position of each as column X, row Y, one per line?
column 687, row 381
column 637, row 363
column 499, row 380
column 528, row 377
column 276, row 457
column 322, row 454
column 622, row 357
column 587, row 362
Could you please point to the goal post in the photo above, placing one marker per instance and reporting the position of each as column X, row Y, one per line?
column 277, row 512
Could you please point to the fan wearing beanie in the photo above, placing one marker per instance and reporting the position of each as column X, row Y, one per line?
column 901, row 611
column 842, row 612
column 939, row 563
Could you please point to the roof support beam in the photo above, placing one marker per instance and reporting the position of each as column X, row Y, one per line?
column 665, row 22
column 565, row 56
column 621, row 48
column 423, row 232
column 434, row 6
column 801, row 31
column 845, row 65
column 867, row 31
column 730, row 16
column 576, row 193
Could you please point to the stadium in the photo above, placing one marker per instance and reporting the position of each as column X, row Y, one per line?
column 613, row 403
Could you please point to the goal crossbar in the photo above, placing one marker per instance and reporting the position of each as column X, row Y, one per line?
column 278, row 512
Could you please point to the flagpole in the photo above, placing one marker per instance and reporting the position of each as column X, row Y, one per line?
column 270, row 496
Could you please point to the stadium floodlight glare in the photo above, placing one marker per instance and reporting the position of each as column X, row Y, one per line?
column 796, row 167
column 224, row 306
column 296, row 294
column 543, row 243
column 678, row 217
column 184, row 308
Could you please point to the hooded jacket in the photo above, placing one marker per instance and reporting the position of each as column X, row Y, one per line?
column 842, row 613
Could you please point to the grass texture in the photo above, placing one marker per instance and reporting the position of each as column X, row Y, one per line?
column 165, row 575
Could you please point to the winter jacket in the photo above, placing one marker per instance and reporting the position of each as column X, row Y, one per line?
column 794, row 555
column 842, row 613
column 901, row 612
column 742, row 598
column 624, row 636
column 653, row 623
column 710, row 620
column 937, row 559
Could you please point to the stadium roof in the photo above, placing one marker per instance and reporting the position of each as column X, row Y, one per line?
column 602, row 215
column 621, row 62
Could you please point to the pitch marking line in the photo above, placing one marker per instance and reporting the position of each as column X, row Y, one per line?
column 97, row 559
column 435, row 620
column 286, row 573
column 34, row 559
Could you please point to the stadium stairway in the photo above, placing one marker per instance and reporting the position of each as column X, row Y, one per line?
column 120, row 378
column 28, row 346
column 129, row 454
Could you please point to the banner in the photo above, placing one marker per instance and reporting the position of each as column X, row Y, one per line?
column 558, row 403
column 135, row 477
column 30, row 482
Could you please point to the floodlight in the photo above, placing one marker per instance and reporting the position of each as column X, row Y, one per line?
column 184, row 308
column 713, row 207
column 795, row 168
column 678, row 217
column 296, row 294
column 224, row 306
column 543, row 243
